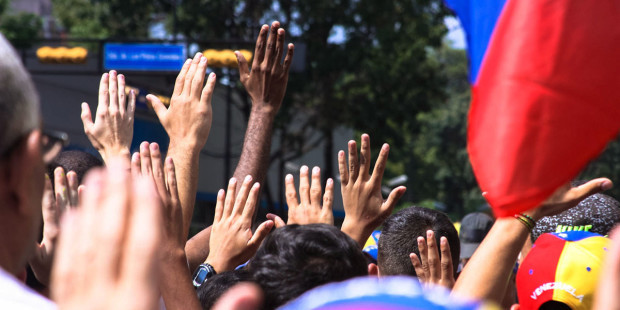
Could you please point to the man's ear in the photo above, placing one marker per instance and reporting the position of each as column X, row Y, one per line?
column 20, row 170
column 373, row 270
column 515, row 307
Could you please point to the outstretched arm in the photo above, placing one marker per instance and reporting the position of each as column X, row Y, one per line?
column 501, row 247
column 187, row 122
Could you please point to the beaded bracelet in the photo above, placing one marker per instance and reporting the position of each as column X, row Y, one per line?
column 527, row 220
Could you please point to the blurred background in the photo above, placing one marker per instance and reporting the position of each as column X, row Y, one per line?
column 395, row 69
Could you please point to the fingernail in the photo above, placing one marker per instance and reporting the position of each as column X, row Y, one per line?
column 248, row 178
column 288, row 178
column 154, row 146
column 429, row 233
column 105, row 75
column 304, row 169
column 605, row 185
column 212, row 75
column 443, row 240
column 203, row 60
column 232, row 181
column 256, row 185
column 420, row 239
column 330, row 181
column 188, row 61
column 316, row 170
column 198, row 54
column 121, row 77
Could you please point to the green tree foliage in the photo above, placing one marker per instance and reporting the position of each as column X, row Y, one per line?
column 102, row 19
column 21, row 29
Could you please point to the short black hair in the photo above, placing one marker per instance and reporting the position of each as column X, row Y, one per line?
column 294, row 259
column 77, row 161
column 217, row 285
column 399, row 238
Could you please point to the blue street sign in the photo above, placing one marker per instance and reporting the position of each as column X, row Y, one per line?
column 143, row 57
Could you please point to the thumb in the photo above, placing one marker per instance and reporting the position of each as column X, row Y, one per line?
column 276, row 219
column 260, row 234
column 243, row 66
column 87, row 118
column 393, row 198
column 158, row 106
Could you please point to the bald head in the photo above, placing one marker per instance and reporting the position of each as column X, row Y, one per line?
column 19, row 103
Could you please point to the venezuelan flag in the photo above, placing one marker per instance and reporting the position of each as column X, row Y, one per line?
column 545, row 78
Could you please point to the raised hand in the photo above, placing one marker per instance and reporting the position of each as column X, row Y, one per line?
column 115, row 234
column 266, row 83
column 187, row 122
column 188, row 119
column 56, row 200
column 364, row 206
column 309, row 211
column 232, row 242
column 112, row 131
column 429, row 267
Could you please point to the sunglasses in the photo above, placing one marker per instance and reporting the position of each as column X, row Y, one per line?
column 52, row 143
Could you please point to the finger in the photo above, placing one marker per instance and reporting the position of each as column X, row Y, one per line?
column 392, row 199
column 279, row 47
column 121, row 94
column 353, row 164
column 270, row 52
column 131, row 106
column 244, row 70
column 417, row 266
column 187, row 85
column 288, row 60
column 447, row 270
column 178, row 85
column 577, row 194
column 139, row 257
column 219, row 206
column 259, row 50
column 365, row 157
column 158, row 172
column 315, row 187
column 60, row 189
column 278, row 222
column 290, row 192
column 231, row 194
column 207, row 91
column 146, row 168
column 250, row 205
column 242, row 196
column 87, row 118
column 199, row 77
column 136, row 165
column 342, row 168
column 48, row 202
column 433, row 256
column 328, row 198
column 72, row 185
column 377, row 173
column 423, row 258
column 113, row 91
column 171, row 181
column 159, row 108
column 260, row 234
column 104, row 96
column 81, row 189
column 304, row 186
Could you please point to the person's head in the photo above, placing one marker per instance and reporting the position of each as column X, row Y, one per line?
column 474, row 227
column 399, row 239
column 293, row 259
column 217, row 285
column 21, row 161
column 598, row 213
column 561, row 271
column 77, row 161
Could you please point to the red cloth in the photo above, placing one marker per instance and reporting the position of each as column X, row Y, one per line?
column 546, row 100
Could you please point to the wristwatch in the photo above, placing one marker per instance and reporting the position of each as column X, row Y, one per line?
column 204, row 272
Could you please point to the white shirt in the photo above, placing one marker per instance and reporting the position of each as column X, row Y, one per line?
column 16, row 295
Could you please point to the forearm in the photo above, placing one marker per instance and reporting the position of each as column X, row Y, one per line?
column 254, row 158
column 186, row 161
column 197, row 248
column 176, row 286
column 357, row 231
column 487, row 273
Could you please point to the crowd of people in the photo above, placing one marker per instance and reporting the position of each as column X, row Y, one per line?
column 115, row 231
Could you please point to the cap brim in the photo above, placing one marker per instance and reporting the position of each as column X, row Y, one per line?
column 468, row 249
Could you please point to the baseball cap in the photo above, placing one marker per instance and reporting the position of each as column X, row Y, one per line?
column 370, row 248
column 389, row 293
column 474, row 227
column 562, row 267
column 598, row 213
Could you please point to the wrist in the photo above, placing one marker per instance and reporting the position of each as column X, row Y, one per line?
column 264, row 109
column 356, row 231
column 109, row 153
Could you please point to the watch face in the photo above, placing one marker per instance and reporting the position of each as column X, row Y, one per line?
column 200, row 276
